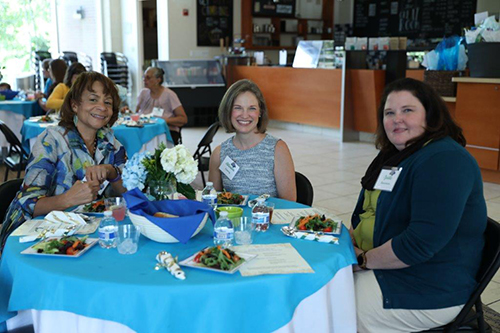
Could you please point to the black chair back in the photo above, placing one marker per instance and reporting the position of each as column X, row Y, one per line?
column 8, row 191
column 469, row 320
column 305, row 192
column 17, row 156
column 204, row 147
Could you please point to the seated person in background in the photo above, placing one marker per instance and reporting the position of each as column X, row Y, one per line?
column 265, row 163
column 70, row 162
column 160, row 100
column 4, row 86
column 56, row 99
column 419, row 241
column 57, row 71
column 46, row 76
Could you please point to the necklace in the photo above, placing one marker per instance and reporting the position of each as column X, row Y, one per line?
column 92, row 149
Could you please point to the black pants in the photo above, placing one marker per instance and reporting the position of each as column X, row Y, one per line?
column 175, row 136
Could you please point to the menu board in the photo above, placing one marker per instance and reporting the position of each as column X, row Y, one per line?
column 214, row 21
column 283, row 8
column 412, row 18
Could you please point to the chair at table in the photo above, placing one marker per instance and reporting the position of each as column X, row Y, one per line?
column 469, row 320
column 8, row 191
column 17, row 157
column 305, row 192
column 203, row 148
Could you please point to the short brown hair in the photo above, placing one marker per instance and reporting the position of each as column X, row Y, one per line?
column 439, row 123
column 85, row 81
column 75, row 69
column 226, row 105
column 58, row 68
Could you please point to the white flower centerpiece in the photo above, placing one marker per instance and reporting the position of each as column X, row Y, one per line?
column 165, row 171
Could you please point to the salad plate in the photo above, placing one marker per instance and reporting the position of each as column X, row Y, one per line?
column 194, row 262
column 53, row 242
column 95, row 208
column 317, row 224
column 231, row 199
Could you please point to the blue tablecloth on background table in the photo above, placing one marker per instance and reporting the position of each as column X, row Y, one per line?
column 126, row 289
column 132, row 138
column 26, row 108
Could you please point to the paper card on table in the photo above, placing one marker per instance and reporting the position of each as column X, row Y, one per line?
column 273, row 259
column 34, row 227
column 47, row 125
column 287, row 216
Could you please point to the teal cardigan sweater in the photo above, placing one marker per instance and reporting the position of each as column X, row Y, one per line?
column 436, row 217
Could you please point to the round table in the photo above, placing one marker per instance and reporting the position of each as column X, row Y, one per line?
column 14, row 112
column 105, row 291
column 134, row 139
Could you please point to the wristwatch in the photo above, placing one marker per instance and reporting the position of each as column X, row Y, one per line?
column 362, row 260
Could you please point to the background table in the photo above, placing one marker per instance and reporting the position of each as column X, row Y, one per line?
column 14, row 112
column 134, row 139
column 103, row 289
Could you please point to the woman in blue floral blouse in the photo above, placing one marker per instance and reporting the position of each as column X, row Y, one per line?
column 71, row 162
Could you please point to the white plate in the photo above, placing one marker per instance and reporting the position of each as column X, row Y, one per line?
column 190, row 263
column 30, row 250
column 335, row 232
column 244, row 203
column 80, row 210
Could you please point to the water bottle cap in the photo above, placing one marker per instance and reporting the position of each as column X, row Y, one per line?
column 223, row 214
column 108, row 213
column 210, row 184
column 260, row 200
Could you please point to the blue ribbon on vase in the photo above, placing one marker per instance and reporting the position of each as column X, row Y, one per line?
column 191, row 213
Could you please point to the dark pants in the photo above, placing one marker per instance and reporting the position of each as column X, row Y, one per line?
column 175, row 136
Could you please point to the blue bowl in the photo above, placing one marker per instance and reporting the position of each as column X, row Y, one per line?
column 9, row 94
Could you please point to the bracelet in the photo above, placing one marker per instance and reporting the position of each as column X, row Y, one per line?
column 362, row 261
column 118, row 175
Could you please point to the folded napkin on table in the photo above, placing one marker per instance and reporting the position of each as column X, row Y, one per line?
column 317, row 237
column 190, row 213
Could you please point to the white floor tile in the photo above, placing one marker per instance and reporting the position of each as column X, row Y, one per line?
column 492, row 293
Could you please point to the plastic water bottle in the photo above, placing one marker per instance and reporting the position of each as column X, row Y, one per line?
column 223, row 231
column 260, row 215
column 108, row 231
column 209, row 195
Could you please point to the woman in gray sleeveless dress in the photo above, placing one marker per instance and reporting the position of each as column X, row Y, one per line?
column 251, row 162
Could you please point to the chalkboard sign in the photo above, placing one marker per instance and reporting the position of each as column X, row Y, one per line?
column 412, row 18
column 215, row 21
column 281, row 8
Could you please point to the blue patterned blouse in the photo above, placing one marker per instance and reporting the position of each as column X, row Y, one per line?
column 57, row 161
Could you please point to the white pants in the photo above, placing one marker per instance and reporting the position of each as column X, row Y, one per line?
column 372, row 317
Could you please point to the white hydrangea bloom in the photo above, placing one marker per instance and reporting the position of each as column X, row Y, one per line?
column 168, row 160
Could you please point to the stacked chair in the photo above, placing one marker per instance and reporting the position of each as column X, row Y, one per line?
column 71, row 57
column 37, row 58
column 115, row 66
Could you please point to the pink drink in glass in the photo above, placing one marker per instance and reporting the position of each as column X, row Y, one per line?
column 135, row 117
column 119, row 212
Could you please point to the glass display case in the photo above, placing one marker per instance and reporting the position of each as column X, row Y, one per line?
column 189, row 73
column 199, row 84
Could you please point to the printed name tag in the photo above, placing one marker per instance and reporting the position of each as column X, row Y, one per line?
column 387, row 179
column 229, row 167
column 157, row 112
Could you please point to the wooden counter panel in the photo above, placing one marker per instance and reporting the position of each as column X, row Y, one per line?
column 477, row 111
column 367, row 87
column 486, row 159
column 298, row 95
column 417, row 74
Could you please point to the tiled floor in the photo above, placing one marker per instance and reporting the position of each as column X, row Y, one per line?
column 335, row 169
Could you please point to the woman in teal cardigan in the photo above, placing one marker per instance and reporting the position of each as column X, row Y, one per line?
column 418, row 230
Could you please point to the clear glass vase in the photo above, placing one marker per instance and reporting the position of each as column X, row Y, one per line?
column 162, row 189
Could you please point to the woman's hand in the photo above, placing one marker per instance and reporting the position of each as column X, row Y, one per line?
column 99, row 172
column 82, row 192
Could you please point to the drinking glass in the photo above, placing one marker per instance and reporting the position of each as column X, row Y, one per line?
column 128, row 238
column 243, row 230
column 270, row 205
column 117, row 206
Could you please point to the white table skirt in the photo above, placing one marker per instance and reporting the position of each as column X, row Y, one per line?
column 148, row 146
column 15, row 122
column 330, row 309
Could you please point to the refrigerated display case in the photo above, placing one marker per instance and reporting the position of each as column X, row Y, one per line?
column 199, row 84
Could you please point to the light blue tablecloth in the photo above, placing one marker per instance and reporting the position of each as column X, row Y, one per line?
column 26, row 108
column 132, row 138
column 126, row 289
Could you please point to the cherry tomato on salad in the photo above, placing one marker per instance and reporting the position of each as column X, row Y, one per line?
column 329, row 229
column 302, row 227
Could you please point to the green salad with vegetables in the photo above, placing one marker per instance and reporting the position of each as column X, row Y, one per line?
column 218, row 258
column 69, row 245
column 316, row 222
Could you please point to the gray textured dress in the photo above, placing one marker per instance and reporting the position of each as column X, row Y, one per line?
column 256, row 173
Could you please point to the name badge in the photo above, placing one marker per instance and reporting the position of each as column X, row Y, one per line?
column 229, row 167
column 387, row 179
column 157, row 112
